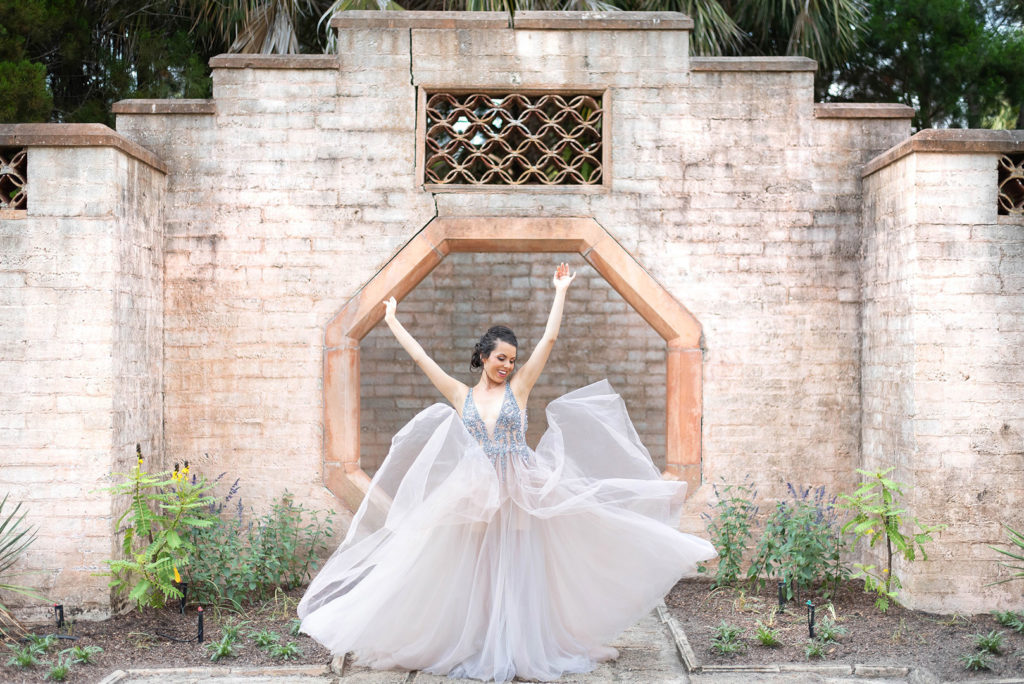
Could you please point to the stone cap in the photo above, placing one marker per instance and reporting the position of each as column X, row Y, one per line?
column 259, row 61
column 558, row 21
column 863, row 110
column 753, row 64
column 950, row 140
column 75, row 135
column 170, row 106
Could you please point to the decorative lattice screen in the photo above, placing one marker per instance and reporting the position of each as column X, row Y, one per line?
column 13, row 174
column 1011, row 184
column 513, row 139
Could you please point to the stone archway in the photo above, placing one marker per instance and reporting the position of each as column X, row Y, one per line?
column 677, row 326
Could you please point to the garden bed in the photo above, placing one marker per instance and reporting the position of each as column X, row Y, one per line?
column 134, row 640
column 899, row 637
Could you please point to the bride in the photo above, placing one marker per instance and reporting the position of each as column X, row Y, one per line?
column 473, row 555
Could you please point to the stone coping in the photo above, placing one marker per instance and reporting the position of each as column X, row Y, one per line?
column 863, row 110
column 170, row 106
column 949, row 140
column 75, row 135
column 533, row 20
column 753, row 64
column 274, row 62
column 191, row 674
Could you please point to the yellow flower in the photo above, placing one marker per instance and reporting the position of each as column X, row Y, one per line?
column 177, row 577
column 871, row 530
column 885, row 570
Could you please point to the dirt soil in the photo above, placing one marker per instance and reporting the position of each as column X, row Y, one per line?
column 899, row 637
column 139, row 640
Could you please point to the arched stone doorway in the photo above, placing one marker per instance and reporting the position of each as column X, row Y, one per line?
column 677, row 326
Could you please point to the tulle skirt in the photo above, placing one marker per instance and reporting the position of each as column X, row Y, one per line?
column 454, row 568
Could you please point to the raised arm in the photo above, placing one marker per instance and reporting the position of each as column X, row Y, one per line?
column 524, row 380
column 453, row 390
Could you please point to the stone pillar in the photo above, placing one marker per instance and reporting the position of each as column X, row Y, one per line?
column 942, row 334
column 81, row 314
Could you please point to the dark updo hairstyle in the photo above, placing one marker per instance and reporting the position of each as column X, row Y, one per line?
column 487, row 343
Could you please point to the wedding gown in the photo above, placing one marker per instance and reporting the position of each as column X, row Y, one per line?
column 474, row 556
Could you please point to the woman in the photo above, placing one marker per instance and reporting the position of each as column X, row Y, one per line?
column 474, row 556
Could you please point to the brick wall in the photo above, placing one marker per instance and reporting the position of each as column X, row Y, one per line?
column 833, row 340
column 80, row 358
column 601, row 337
column 299, row 184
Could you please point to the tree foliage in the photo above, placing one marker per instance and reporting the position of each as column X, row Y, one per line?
column 957, row 62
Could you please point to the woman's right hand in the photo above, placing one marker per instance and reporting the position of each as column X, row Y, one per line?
column 390, row 306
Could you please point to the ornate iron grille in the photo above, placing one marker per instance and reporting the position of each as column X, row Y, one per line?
column 513, row 139
column 13, row 174
column 1011, row 184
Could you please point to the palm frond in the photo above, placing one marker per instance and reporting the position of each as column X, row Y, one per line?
column 14, row 538
column 714, row 31
column 331, row 44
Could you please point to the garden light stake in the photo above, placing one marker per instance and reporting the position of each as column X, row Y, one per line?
column 810, row 617
column 782, row 593
column 58, row 613
column 199, row 636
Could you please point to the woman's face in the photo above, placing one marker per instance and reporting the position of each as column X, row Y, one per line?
column 500, row 363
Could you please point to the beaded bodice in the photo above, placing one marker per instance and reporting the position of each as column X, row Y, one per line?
column 509, row 430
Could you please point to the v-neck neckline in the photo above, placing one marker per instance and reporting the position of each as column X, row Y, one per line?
column 476, row 409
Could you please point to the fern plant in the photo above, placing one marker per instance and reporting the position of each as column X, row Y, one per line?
column 163, row 507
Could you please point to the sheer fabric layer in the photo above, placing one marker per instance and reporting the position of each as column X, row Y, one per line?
column 451, row 569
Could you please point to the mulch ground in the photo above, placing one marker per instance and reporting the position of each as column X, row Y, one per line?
column 899, row 637
column 140, row 640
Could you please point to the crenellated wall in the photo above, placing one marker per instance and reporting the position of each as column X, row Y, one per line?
column 857, row 298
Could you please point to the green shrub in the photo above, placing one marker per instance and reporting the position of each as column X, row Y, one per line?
column 989, row 643
column 801, row 543
column 814, row 649
column 59, row 670
column 726, row 640
column 265, row 638
column 289, row 651
column 237, row 562
column 24, row 656
column 976, row 661
column 41, row 644
column 82, row 655
column 828, row 630
column 224, row 648
column 164, row 508
column 729, row 529
column 767, row 636
column 1014, row 621
column 876, row 516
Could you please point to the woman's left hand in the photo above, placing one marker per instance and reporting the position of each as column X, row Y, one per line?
column 562, row 277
